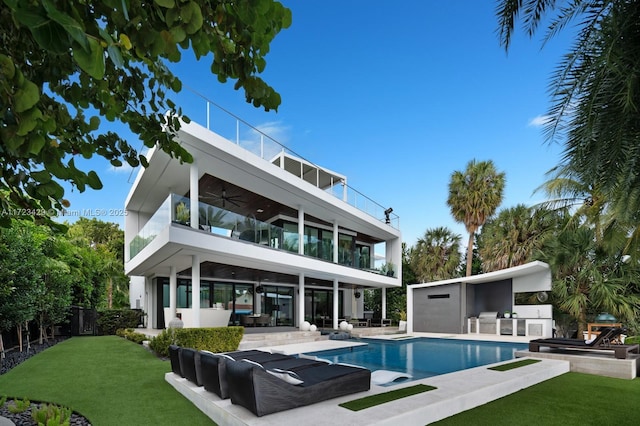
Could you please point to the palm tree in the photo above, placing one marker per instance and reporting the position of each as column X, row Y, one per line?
column 588, row 278
column 436, row 255
column 514, row 236
column 595, row 92
column 474, row 195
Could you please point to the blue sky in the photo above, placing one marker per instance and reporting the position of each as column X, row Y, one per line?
column 396, row 96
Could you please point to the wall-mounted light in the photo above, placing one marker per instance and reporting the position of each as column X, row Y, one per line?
column 387, row 212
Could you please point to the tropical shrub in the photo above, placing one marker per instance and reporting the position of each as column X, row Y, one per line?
column 215, row 339
column 110, row 320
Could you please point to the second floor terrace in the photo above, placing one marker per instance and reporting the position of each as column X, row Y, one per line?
column 282, row 232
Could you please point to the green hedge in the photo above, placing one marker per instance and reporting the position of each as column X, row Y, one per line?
column 216, row 339
column 632, row 340
column 110, row 320
column 131, row 334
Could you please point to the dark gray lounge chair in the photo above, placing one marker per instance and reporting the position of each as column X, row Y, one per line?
column 602, row 342
column 174, row 357
column 261, row 391
column 211, row 368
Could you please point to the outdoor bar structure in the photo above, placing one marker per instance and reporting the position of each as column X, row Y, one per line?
column 485, row 303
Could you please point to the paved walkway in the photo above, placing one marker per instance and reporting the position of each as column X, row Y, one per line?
column 6, row 422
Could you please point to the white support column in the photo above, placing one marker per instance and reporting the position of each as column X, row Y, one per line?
column 345, row 195
column 300, row 299
column 335, row 242
column 195, row 289
column 335, row 303
column 384, row 303
column 409, row 309
column 300, row 230
column 173, row 293
column 194, row 194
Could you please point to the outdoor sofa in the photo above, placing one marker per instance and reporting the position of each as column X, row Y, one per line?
column 602, row 342
column 256, row 388
column 266, row 382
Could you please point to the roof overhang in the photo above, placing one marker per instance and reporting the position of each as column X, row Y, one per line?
column 536, row 270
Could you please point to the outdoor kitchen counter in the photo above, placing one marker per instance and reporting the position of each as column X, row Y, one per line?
column 534, row 327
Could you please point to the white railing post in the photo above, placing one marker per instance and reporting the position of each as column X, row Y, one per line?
column 208, row 128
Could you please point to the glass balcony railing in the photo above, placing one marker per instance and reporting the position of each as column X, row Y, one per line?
column 258, row 141
column 225, row 223
column 233, row 225
column 160, row 220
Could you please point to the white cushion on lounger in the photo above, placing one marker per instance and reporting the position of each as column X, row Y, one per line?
column 314, row 358
column 253, row 362
column 287, row 376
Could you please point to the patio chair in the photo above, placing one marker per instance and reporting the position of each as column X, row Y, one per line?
column 212, row 368
column 246, row 321
column 602, row 342
column 263, row 320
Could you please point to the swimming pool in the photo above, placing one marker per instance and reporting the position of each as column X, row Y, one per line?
column 423, row 357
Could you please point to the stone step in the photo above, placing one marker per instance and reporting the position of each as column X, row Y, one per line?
column 253, row 341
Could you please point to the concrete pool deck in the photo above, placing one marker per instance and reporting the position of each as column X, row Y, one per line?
column 456, row 392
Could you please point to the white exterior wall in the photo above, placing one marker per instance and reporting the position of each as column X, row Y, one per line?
column 137, row 293
column 174, row 246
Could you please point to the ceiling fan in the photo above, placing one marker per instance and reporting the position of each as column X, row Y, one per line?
column 224, row 198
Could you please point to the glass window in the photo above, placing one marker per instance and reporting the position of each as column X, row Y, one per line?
column 184, row 294
column 327, row 245
column 346, row 245
column 223, row 295
column 363, row 254
column 319, row 306
column 290, row 236
column 278, row 302
column 311, row 241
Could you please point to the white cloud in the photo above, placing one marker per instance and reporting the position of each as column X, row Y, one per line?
column 539, row 121
column 125, row 168
column 273, row 131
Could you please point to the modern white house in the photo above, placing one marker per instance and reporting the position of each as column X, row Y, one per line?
column 251, row 234
column 506, row 302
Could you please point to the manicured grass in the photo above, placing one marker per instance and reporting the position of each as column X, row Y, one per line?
column 512, row 365
column 381, row 398
column 570, row 399
column 109, row 380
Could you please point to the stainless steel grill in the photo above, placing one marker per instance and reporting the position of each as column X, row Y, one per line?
column 487, row 322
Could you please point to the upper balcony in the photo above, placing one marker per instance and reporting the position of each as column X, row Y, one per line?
column 227, row 224
column 261, row 144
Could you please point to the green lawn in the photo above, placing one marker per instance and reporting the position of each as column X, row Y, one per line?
column 109, row 380
column 113, row 381
column 570, row 399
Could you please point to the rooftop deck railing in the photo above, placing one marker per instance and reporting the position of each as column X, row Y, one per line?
column 259, row 142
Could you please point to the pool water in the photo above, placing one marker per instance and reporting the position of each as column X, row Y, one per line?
column 423, row 357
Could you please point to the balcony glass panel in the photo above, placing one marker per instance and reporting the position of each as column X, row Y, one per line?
column 233, row 225
column 318, row 243
column 151, row 229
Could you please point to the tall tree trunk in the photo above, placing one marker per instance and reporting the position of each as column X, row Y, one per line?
column 26, row 327
column 469, row 254
column 1, row 347
column 43, row 330
column 110, row 293
column 19, row 329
